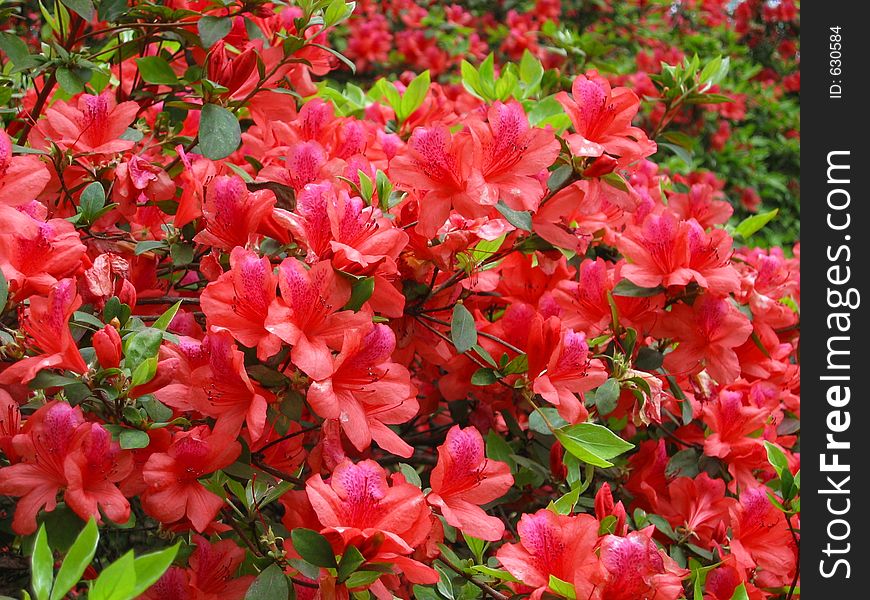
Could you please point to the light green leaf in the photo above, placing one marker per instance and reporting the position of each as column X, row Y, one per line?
column 751, row 225
column 593, row 444
column 313, row 547
column 150, row 567
column 41, row 566
column 77, row 560
column 414, row 95
column 117, row 581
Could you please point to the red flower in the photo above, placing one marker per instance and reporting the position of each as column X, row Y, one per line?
column 562, row 546
column 35, row 253
column 435, row 165
column 511, row 155
column 239, row 301
column 636, row 568
column 708, row 331
column 59, row 450
column 232, row 214
column 362, row 384
column 359, row 496
column 761, row 539
column 46, row 322
column 568, row 370
column 94, row 125
column 464, row 479
column 22, row 178
column 174, row 491
column 668, row 252
column 602, row 120
column 309, row 317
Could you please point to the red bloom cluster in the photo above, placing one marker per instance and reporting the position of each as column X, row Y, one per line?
column 242, row 305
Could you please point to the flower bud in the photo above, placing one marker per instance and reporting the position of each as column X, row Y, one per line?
column 107, row 345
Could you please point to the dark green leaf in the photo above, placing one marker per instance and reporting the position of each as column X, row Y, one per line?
column 93, row 198
column 351, row 560
column 84, row 8
column 497, row 447
column 538, row 423
column 463, row 330
column 17, row 52
column 683, row 464
column 4, row 291
column 627, row 288
column 606, row 396
column 212, row 29
column 521, row 219
column 313, row 547
column 361, row 291
column 110, row 10
column 559, row 177
column 47, row 379
column 484, row 377
column 648, row 359
column 219, row 131
column 69, row 81
column 155, row 69
column 365, row 578
column 149, row 245
column 270, row 584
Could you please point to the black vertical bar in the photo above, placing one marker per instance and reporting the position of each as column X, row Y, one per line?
column 835, row 239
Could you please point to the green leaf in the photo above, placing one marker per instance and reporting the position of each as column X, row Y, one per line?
column 84, row 8
column 41, row 566
column 410, row 473
column 361, row 291
column 500, row 574
column 336, row 12
column 606, row 396
column 563, row 588
column 131, row 439
column 682, row 153
column 77, row 560
column 141, row 346
column 149, row 245
column 497, row 447
column 593, row 444
column 351, row 560
column 648, row 359
column 313, row 547
column 559, row 177
column 565, row 504
column 181, row 254
column 117, row 581
column 213, row 29
column 740, row 593
column 4, row 291
column 538, row 423
column 110, row 10
column 531, row 70
column 484, row 377
column 627, row 288
column 463, row 330
column 521, row 219
column 751, row 225
column 166, row 318
column 365, row 578
column 270, row 584
column 683, row 464
column 155, row 69
column 69, row 81
column 150, row 567
column 17, row 52
column 219, row 131
column 414, row 95
column 93, row 198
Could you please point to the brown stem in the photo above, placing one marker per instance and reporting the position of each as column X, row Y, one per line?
column 167, row 300
column 41, row 99
column 486, row 588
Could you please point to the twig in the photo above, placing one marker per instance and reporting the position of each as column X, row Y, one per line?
column 486, row 588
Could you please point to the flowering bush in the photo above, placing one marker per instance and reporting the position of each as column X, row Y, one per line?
column 277, row 323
